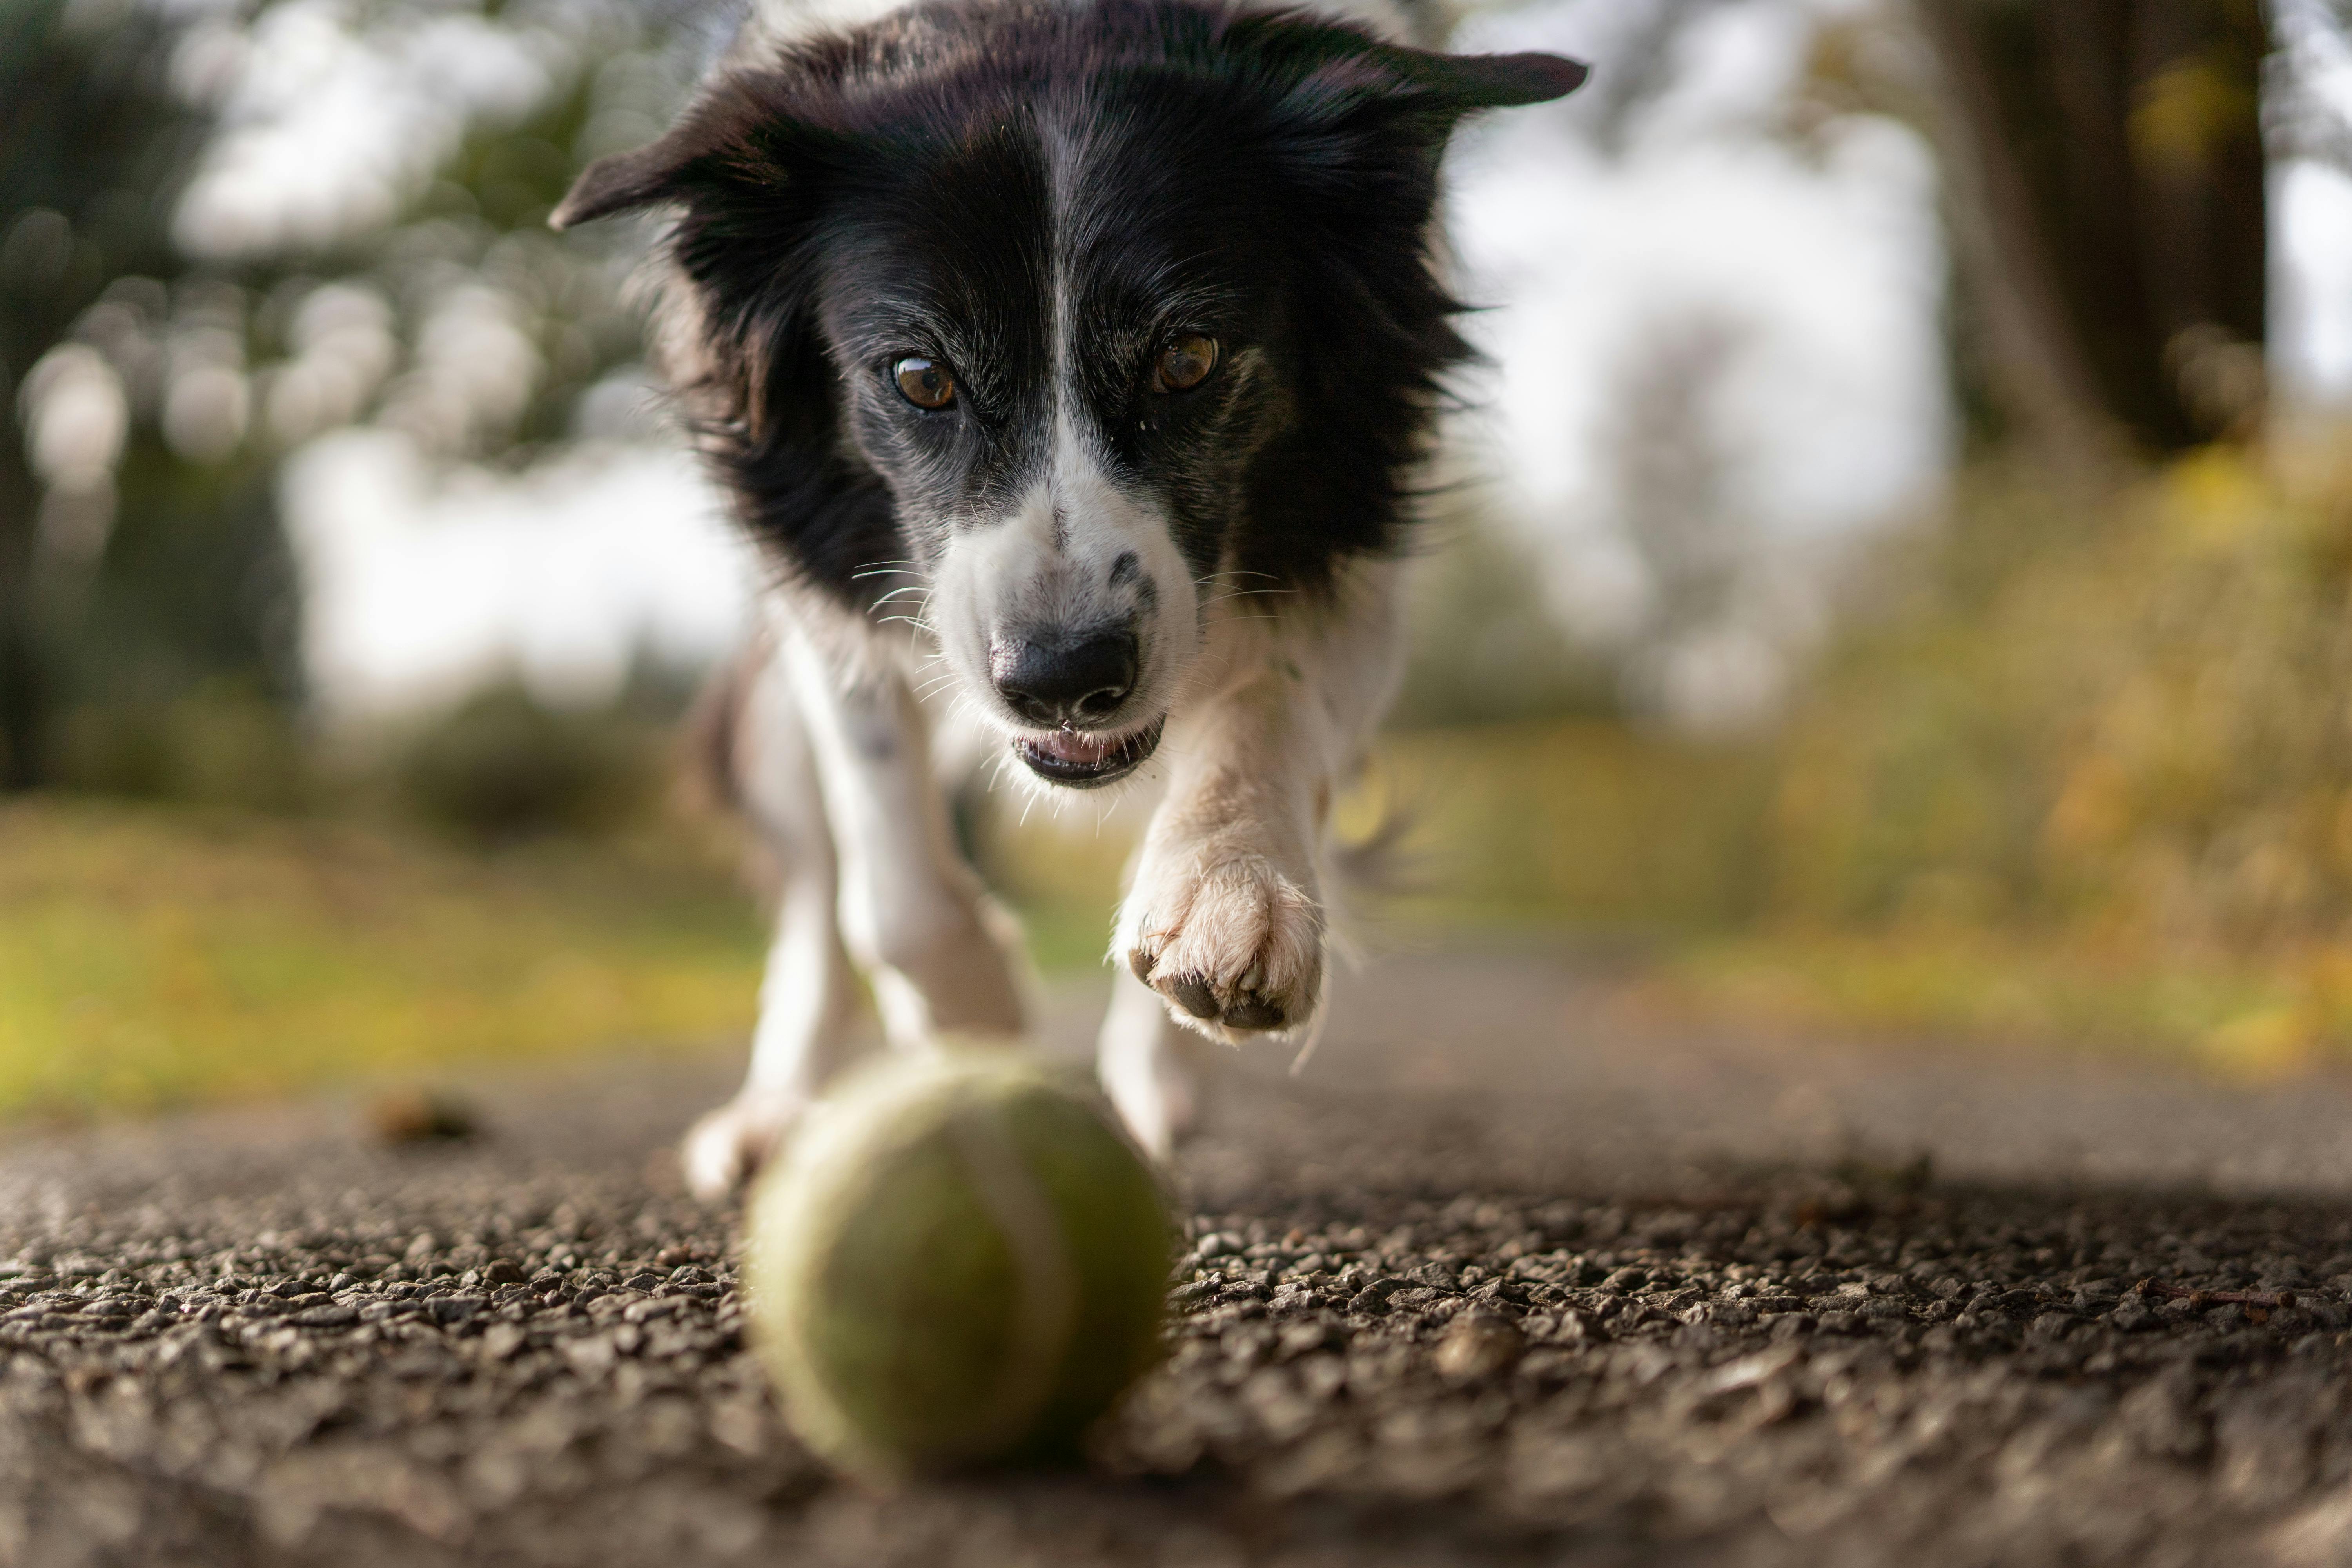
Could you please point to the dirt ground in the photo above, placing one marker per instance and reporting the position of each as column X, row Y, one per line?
column 1516, row 1273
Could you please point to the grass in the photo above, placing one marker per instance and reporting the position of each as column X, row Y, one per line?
column 155, row 956
column 2242, row 1018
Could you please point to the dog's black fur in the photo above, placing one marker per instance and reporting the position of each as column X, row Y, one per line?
column 927, row 185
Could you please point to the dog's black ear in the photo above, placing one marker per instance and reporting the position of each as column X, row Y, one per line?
column 1461, row 84
column 625, row 181
column 1424, row 95
column 1343, row 71
column 1357, row 132
column 738, row 140
column 748, row 173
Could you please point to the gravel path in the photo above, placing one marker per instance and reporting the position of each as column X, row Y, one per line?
column 1517, row 1274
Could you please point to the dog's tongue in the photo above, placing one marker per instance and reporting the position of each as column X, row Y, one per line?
column 1071, row 746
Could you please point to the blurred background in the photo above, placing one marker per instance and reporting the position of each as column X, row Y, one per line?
column 1897, row 568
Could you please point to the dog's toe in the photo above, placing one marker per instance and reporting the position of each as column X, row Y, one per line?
column 1233, row 943
column 1253, row 1012
column 1193, row 994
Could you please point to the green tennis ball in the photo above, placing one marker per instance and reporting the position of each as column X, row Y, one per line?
column 959, row 1261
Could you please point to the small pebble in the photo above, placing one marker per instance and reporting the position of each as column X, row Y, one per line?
column 419, row 1116
column 1477, row 1348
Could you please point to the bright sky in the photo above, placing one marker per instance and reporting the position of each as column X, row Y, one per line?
column 423, row 584
column 1828, row 273
column 425, row 580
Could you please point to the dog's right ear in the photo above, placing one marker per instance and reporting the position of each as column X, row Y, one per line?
column 625, row 181
column 736, row 142
column 733, row 138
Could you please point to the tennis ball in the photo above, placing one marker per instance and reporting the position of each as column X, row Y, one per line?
column 960, row 1260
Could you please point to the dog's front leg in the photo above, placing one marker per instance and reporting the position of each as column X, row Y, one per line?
column 913, row 914
column 808, row 998
column 1224, row 917
column 1140, row 1060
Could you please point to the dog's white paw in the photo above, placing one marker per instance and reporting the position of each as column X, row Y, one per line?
column 726, row 1149
column 1233, row 941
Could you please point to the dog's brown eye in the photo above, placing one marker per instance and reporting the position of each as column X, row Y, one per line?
column 926, row 384
column 1184, row 363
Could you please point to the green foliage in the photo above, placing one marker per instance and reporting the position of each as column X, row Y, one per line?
column 1487, row 646
column 91, row 147
column 2089, row 777
column 223, row 742
column 501, row 767
column 1591, row 823
column 197, row 586
column 2124, row 715
column 157, row 570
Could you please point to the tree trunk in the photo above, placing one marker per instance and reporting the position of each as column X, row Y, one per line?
column 22, row 743
column 2112, row 153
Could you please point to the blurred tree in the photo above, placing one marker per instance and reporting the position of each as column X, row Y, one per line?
column 502, row 767
column 2111, row 154
column 91, row 145
column 178, row 311
column 1703, row 653
column 1486, row 648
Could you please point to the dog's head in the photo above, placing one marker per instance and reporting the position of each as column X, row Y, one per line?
column 1049, row 325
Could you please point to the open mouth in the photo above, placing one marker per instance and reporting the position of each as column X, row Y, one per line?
column 1084, row 760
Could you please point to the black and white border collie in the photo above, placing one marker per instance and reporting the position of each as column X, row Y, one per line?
column 1097, row 342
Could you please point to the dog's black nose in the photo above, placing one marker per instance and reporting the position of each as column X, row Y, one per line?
column 1057, row 680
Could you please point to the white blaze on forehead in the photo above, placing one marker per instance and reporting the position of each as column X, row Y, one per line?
column 1045, row 568
column 1097, row 520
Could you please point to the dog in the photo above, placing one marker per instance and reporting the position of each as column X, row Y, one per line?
column 1076, row 357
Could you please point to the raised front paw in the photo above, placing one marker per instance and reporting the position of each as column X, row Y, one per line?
column 726, row 1149
column 1231, row 941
